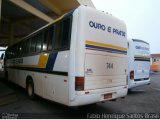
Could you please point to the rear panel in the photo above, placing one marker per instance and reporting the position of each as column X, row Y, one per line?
column 141, row 59
column 104, row 71
column 139, row 63
column 101, row 50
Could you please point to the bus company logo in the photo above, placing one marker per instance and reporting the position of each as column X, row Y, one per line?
column 89, row 71
column 109, row 29
column 97, row 25
column 18, row 61
column 9, row 116
column 142, row 48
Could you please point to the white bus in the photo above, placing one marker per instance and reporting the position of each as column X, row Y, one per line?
column 79, row 59
column 138, row 63
column 2, row 62
column 2, row 55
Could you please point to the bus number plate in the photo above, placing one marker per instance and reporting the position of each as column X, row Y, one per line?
column 108, row 96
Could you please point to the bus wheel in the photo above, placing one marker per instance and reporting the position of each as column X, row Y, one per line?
column 30, row 89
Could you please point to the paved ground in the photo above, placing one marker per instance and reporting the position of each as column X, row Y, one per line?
column 143, row 100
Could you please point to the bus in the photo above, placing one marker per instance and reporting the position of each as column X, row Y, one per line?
column 2, row 55
column 2, row 62
column 138, row 63
column 78, row 59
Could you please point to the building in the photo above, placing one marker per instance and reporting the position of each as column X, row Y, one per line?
column 155, row 62
column 155, row 58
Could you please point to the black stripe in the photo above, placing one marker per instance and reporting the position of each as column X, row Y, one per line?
column 141, row 59
column 142, row 79
column 137, row 40
column 105, row 51
column 2, row 50
column 41, row 70
column 51, row 61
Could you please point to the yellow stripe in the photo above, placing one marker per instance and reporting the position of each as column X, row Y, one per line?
column 41, row 63
column 105, row 45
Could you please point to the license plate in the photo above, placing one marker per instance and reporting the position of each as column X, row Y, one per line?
column 108, row 96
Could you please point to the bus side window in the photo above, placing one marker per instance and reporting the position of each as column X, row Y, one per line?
column 66, row 33
column 62, row 34
column 33, row 44
column 23, row 47
column 27, row 49
column 38, row 39
column 58, row 36
column 50, row 37
column 45, row 40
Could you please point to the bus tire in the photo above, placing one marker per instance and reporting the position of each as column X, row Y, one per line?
column 30, row 89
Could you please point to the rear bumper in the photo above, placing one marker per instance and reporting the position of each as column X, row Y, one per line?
column 134, row 84
column 94, row 96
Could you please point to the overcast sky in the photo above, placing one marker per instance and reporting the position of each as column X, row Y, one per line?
column 142, row 18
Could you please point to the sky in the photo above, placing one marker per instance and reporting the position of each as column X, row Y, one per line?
column 142, row 18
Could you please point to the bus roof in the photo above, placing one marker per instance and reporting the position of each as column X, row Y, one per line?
column 137, row 40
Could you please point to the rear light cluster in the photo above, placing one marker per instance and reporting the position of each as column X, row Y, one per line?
column 79, row 83
column 132, row 74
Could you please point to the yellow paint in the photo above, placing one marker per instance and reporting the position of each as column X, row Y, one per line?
column 105, row 45
column 43, row 60
column 41, row 63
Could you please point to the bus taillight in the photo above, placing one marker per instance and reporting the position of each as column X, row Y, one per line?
column 79, row 83
column 132, row 74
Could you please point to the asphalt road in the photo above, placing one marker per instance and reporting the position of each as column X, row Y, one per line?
column 143, row 100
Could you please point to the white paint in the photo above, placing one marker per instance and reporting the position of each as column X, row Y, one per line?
column 141, row 68
column 62, row 61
